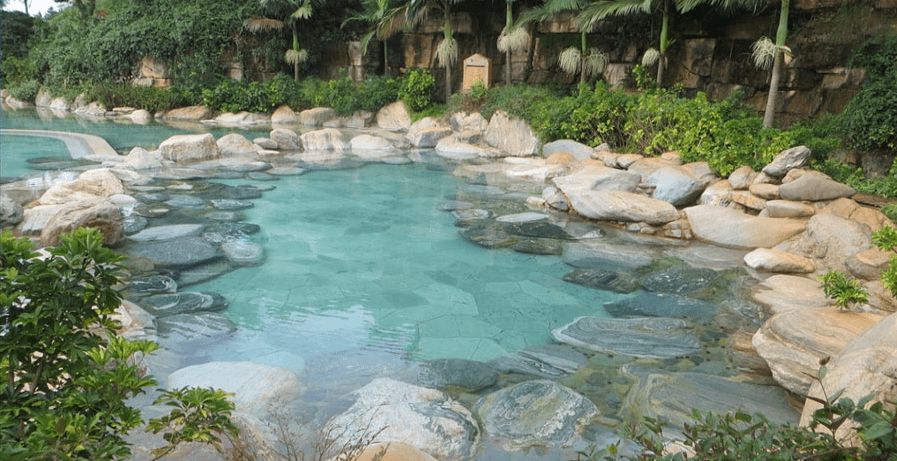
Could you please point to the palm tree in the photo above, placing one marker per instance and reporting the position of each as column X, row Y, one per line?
column 766, row 52
column 512, row 39
column 447, row 49
column 387, row 20
column 302, row 9
column 587, row 61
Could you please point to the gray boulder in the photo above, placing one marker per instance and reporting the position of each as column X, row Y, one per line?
column 254, row 386
column 11, row 213
column 452, row 148
column 796, row 157
column 814, row 188
column 675, row 186
column 141, row 159
column 616, row 205
column 728, row 227
column 98, row 213
column 597, row 177
column 512, row 136
column 284, row 115
column 742, row 178
column 578, row 150
column 426, row 419
column 183, row 148
column 656, row 337
column 427, row 136
column 285, row 139
column 538, row 413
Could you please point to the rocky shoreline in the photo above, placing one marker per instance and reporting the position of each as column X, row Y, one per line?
column 787, row 223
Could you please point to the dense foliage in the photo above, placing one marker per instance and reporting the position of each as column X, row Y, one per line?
column 65, row 383
column 726, row 134
column 870, row 118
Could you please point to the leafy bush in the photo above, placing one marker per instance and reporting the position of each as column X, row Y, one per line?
column 26, row 91
column 124, row 95
column 845, row 291
column 417, row 89
column 870, row 118
column 16, row 71
column 67, row 386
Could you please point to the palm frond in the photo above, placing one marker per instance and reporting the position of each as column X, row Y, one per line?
column 447, row 52
column 262, row 24
column 514, row 40
column 596, row 11
column 763, row 52
column 295, row 56
column 303, row 12
column 650, row 57
column 727, row 5
column 594, row 63
column 393, row 22
column 570, row 59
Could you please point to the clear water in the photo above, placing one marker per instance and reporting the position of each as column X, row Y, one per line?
column 16, row 150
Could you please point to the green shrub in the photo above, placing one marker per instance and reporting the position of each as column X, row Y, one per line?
column 417, row 89
column 16, row 71
column 890, row 210
column 124, row 95
column 377, row 91
column 870, row 118
column 25, row 91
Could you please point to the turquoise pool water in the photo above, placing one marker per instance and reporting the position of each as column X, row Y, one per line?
column 16, row 150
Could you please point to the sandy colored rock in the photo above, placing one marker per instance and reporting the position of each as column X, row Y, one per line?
column 727, row 227
column 764, row 259
column 189, row 148
column 789, row 209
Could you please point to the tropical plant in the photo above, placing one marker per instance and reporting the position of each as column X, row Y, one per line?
column 387, row 19
column 845, row 291
column 513, row 38
column 67, row 375
column 598, row 10
column 301, row 9
column 765, row 52
column 588, row 62
column 447, row 49
column 197, row 415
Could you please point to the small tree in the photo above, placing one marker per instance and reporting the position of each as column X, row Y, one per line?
column 845, row 291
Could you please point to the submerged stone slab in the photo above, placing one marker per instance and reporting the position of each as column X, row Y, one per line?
column 538, row 413
column 679, row 279
column 198, row 325
column 550, row 361
column 159, row 233
column 243, row 252
column 467, row 375
column 603, row 279
column 163, row 305
column 661, row 305
column 639, row 337
column 671, row 398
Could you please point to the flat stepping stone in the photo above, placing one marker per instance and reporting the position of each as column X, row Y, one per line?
column 230, row 205
column 640, row 337
column 151, row 285
column 175, row 253
column 203, row 273
column 167, row 304
column 243, row 253
column 185, row 201
column 200, row 325
column 174, row 231
column 549, row 361
column 225, row 216
column 225, row 231
column 466, row 375
column 603, row 279
column 679, row 279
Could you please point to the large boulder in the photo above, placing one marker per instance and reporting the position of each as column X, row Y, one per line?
column 768, row 260
column 254, row 386
column 793, row 342
column 787, row 160
column 11, row 212
column 427, row 133
column 236, row 145
column 188, row 114
column 598, row 177
column 325, row 139
column 452, row 148
column 99, row 213
column 189, row 148
column 830, row 241
column 394, row 117
column 467, row 375
column 675, row 186
column 538, row 413
column 141, row 159
column 866, row 365
column 814, row 188
column 578, row 150
column 90, row 185
column 732, row 228
column 849, row 209
column 512, row 136
column 317, row 116
column 365, row 144
column 426, row 419
column 284, row 115
column 781, row 293
column 285, row 139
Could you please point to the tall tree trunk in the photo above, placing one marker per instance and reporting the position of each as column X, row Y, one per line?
column 508, row 68
column 773, row 96
column 386, row 59
column 509, row 21
column 583, row 60
column 664, row 43
column 295, row 48
column 778, row 64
